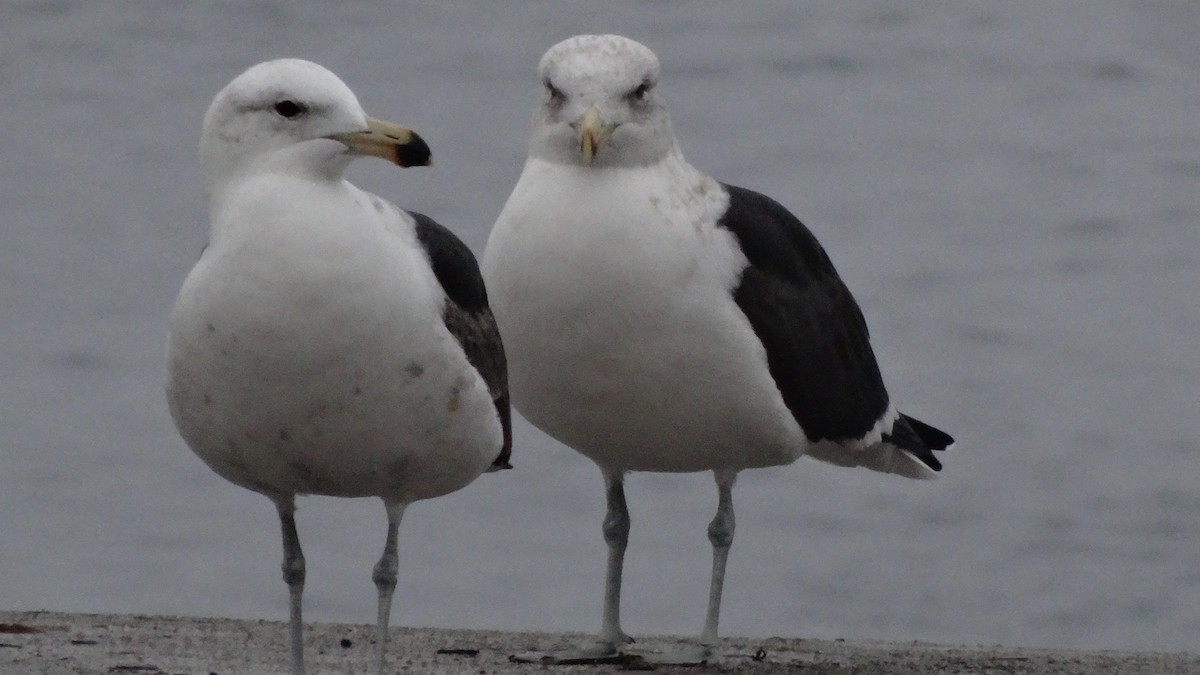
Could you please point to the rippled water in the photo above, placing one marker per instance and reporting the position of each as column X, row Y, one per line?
column 1011, row 189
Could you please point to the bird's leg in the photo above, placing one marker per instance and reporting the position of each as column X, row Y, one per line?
column 612, row 638
column 384, row 577
column 293, row 576
column 720, row 533
column 616, row 535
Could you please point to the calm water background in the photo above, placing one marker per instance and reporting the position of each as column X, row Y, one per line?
column 1012, row 190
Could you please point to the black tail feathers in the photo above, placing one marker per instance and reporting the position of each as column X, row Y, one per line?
column 919, row 439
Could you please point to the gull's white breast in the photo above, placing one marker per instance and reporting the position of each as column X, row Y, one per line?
column 307, row 352
column 613, row 291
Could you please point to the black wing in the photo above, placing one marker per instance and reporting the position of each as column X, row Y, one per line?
column 818, row 348
column 469, row 318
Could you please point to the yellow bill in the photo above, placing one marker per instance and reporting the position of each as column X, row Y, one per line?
column 593, row 133
column 393, row 142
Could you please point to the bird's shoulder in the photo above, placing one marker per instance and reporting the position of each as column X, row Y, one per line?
column 773, row 239
column 453, row 263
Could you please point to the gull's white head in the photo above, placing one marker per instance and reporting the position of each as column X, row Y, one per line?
column 600, row 105
column 296, row 116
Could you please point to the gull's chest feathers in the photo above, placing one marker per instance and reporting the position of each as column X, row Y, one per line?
column 295, row 283
column 614, row 293
column 587, row 241
column 314, row 359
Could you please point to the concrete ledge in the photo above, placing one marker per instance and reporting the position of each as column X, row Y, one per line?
column 56, row 643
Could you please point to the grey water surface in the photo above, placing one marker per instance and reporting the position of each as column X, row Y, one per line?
column 1011, row 189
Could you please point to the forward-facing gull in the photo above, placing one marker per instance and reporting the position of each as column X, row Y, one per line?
column 657, row 320
column 328, row 342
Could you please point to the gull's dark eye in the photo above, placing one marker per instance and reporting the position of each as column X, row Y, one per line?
column 555, row 93
column 642, row 90
column 290, row 109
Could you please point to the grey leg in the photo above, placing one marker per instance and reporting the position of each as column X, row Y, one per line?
column 384, row 577
column 612, row 638
column 720, row 533
column 293, row 576
column 616, row 535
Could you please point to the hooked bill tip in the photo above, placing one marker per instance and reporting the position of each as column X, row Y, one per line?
column 413, row 153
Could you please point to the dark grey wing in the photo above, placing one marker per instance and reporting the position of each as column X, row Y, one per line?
column 468, row 317
column 818, row 347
